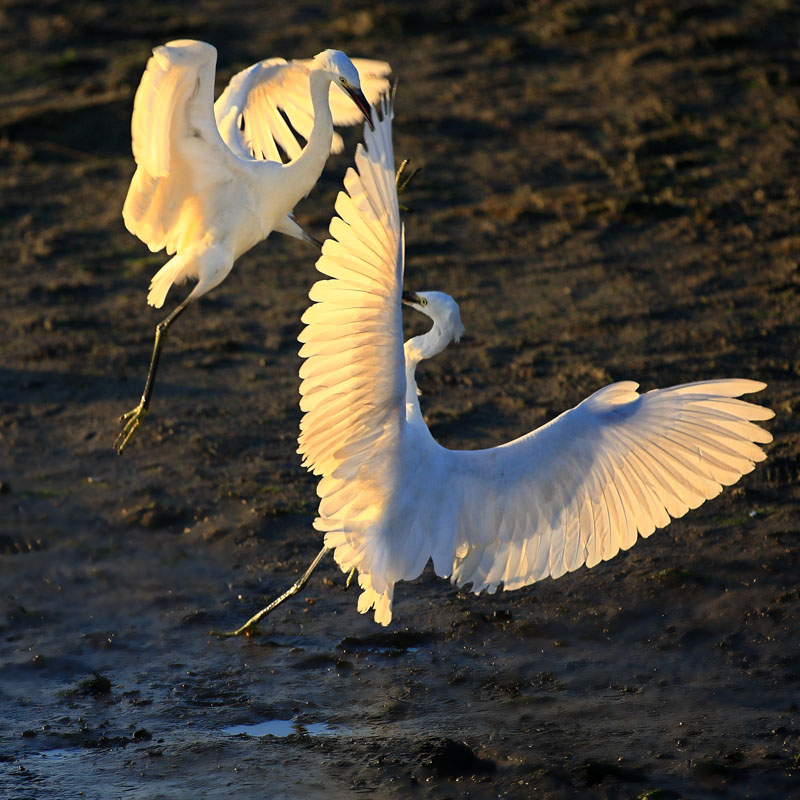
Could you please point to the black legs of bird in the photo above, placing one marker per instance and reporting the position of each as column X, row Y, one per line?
column 251, row 624
column 133, row 418
column 402, row 180
column 297, row 586
column 200, row 192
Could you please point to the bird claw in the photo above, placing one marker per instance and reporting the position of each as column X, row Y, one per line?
column 401, row 181
column 249, row 627
column 350, row 577
column 246, row 630
column 132, row 419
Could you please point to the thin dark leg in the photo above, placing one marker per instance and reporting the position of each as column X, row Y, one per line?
column 248, row 627
column 133, row 418
column 313, row 240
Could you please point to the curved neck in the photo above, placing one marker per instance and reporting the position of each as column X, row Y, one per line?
column 306, row 168
column 415, row 350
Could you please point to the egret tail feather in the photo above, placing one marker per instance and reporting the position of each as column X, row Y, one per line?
column 174, row 271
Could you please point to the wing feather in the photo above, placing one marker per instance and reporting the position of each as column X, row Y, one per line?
column 176, row 144
column 353, row 375
column 616, row 466
column 575, row 491
column 266, row 109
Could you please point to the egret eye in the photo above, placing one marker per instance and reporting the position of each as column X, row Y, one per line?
column 343, row 81
column 423, row 301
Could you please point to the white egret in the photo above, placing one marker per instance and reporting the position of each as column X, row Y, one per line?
column 575, row 491
column 210, row 182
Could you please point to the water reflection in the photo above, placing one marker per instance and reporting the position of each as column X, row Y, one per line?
column 282, row 727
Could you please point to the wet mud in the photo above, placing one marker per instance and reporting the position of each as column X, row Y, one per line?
column 610, row 191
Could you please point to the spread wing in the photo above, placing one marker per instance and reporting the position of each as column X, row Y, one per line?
column 353, row 379
column 265, row 106
column 176, row 144
column 579, row 489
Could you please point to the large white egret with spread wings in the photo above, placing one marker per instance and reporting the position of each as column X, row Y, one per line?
column 575, row 491
column 210, row 180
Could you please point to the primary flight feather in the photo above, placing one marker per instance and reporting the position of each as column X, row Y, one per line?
column 575, row 491
column 211, row 181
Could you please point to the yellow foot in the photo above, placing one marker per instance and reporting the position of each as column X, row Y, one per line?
column 350, row 577
column 401, row 182
column 245, row 630
column 249, row 628
column 132, row 420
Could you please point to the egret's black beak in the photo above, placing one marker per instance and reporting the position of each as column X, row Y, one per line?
column 363, row 106
column 410, row 299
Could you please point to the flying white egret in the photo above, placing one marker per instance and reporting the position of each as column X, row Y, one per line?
column 575, row 491
column 210, row 182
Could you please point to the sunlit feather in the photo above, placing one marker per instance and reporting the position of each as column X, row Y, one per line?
column 575, row 491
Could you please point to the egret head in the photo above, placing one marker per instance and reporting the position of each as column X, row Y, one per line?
column 341, row 70
column 441, row 308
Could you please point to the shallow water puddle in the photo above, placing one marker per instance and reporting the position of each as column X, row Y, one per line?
column 58, row 754
column 282, row 728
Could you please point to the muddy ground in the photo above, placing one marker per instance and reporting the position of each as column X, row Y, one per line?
column 611, row 191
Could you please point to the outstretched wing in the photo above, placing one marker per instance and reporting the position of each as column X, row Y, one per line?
column 265, row 106
column 579, row 489
column 353, row 377
column 175, row 140
column 353, row 385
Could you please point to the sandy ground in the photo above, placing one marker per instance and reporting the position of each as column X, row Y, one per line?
column 611, row 191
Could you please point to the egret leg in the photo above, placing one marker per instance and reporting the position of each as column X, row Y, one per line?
column 297, row 586
column 350, row 577
column 133, row 419
column 313, row 240
column 401, row 182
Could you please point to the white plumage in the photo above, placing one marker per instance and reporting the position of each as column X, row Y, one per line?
column 210, row 181
column 250, row 112
column 209, row 175
column 575, row 491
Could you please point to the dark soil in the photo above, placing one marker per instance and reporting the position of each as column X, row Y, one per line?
column 611, row 191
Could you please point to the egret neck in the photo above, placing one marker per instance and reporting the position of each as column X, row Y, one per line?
column 304, row 171
column 418, row 349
